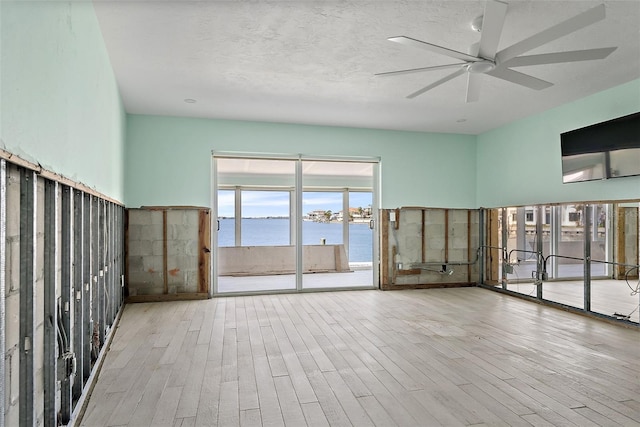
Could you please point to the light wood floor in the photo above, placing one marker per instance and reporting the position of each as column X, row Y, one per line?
column 450, row 357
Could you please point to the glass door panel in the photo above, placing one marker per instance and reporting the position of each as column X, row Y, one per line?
column 360, row 248
column 618, row 298
column 360, row 232
column 521, row 250
column 323, row 250
column 265, row 218
column 565, row 267
column 497, row 232
column 322, row 218
column 571, row 242
column 599, row 241
column 255, row 245
column 336, row 232
column 226, row 218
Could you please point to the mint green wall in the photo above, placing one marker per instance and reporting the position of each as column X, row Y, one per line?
column 168, row 159
column 519, row 164
column 60, row 105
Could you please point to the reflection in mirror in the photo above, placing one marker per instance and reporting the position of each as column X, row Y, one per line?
column 566, row 253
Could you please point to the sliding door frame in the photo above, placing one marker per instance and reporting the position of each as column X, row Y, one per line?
column 295, row 211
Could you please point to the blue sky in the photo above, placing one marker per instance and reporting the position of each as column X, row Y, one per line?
column 276, row 203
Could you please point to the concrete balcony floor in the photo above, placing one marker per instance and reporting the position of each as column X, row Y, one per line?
column 358, row 278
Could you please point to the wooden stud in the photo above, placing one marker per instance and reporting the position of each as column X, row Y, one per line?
column 424, row 240
column 446, row 235
column 620, row 242
column 621, row 254
column 165, row 267
column 384, row 248
column 493, row 240
column 469, row 245
column 204, row 253
column 620, row 237
column 394, row 271
column 126, row 252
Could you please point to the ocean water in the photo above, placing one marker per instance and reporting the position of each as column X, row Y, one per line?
column 275, row 231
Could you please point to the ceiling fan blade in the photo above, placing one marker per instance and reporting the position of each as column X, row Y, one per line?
column 419, row 70
column 557, row 57
column 576, row 23
column 519, row 78
column 438, row 83
column 408, row 41
column 492, row 23
column 473, row 87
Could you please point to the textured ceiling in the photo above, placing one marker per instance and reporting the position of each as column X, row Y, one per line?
column 313, row 62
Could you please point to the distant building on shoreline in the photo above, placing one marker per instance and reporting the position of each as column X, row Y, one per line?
column 358, row 214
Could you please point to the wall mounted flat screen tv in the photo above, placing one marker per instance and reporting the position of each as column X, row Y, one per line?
column 605, row 150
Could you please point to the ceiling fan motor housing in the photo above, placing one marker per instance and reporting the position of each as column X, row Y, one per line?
column 481, row 67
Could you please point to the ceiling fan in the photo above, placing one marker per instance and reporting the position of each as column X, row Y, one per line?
column 492, row 62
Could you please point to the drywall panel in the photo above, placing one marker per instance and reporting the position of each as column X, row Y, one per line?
column 168, row 159
column 59, row 103
column 519, row 164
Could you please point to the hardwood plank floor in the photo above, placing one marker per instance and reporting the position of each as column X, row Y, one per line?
column 451, row 357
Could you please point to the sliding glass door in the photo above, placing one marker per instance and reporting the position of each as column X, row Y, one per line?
column 338, row 243
column 293, row 224
column 255, row 242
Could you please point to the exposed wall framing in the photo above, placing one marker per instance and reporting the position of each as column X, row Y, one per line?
column 167, row 253
column 428, row 247
column 57, row 260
